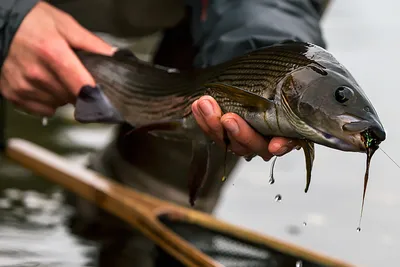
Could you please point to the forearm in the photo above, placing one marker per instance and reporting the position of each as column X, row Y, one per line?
column 12, row 12
column 238, row 27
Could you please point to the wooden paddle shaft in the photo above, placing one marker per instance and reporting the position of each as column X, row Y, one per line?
column 105, row 194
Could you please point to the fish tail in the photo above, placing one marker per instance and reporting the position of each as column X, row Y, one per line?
column 135, row 91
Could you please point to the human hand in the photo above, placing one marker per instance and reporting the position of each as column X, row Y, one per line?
column 244, row 140
column 41, row 71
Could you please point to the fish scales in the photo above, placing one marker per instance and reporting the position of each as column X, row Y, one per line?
column 292, row 89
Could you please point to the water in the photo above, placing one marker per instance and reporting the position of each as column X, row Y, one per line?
column 44, row 121
column 32, row 213
column 361, row 34
column 271, row 175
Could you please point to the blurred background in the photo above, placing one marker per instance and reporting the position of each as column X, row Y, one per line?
column 364, row 36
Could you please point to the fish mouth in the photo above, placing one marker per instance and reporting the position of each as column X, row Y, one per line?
column 367, row 135
column 356, row 126
column 371, row 132
column 357, row 135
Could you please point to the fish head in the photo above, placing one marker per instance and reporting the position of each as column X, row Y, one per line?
column 327, row 106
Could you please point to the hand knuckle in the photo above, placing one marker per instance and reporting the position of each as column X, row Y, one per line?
column 47, row 49
column 34, row 72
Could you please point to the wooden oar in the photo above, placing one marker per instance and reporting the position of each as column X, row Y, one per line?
column 142, row 211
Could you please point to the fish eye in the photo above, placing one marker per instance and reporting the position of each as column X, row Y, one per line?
column 343, row 94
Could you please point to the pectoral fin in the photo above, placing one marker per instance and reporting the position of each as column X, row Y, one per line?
column 241, row 96
column 198, row 169
column 309, row 154
column 93, row 105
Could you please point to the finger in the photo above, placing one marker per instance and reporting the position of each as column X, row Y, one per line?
column 55, row 86
column 32, row 83
column 244, row 135
column 237, row 148
column 40, row 96
column 47, row 86
column 68, row 67
column 35, row 108
column 208, row 115
column 279, row 146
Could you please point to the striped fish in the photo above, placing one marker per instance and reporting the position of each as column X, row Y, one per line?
column 292, row 89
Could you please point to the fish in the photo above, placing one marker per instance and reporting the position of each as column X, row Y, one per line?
column 290, row 89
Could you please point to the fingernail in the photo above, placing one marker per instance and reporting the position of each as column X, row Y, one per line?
column 282, row 150
column 231, row 126
column 205, row 107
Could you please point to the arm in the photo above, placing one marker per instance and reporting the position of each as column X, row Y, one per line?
column 232, row 28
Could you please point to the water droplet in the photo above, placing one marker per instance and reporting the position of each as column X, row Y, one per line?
column 44, row 121
column 358, row 229
column 299, row 264
column 278, row 198
column 304, row 224
column 271, row 175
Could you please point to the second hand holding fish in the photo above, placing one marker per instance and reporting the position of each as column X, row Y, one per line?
column 244, row 140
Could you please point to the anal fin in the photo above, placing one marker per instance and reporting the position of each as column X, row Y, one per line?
column 93, row 106
column 309, row 154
